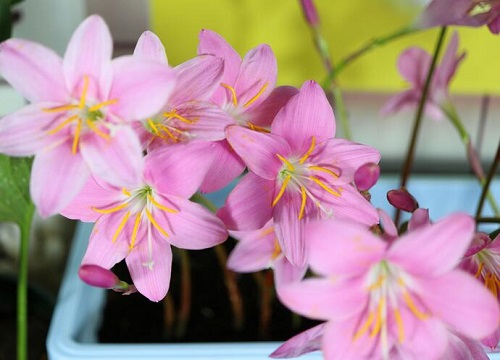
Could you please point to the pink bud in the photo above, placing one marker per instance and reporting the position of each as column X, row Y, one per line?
column 366, row 176
column 310, row 12
column 99, row 277
column 420, row 217
column 494, row 25
column 401, row 199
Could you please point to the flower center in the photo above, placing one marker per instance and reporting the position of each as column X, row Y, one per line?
column 87, row 118
column 172, row 127
column 488, row 270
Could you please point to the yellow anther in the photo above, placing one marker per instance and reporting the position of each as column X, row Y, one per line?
column 257, row 128
column 253, row 99
column 96, row 129
column 399, row 323
column 324, row 186
column 155, row 224
column 160, row 206
column 152, row 124
column 168, row 132
column 103, row 104
column 85, row 88
column 282, row 190
column 175, row 115
column 363, row 329
column 120, row 227
column 286, row 162
column 76, row 140
column 479, row 270
column 323, row 169
column 303, row 202
column 266, row 231
column 62, row 125
column 411, row 305
column 126, row 192
column 110, row 210
column 60, row 108
column 309, row 151
column 378, row 318
column 135, row 230
column 233, row 93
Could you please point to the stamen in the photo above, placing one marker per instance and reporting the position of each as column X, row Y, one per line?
column 120, row 227
column 479, row 270
column 412, row 307
column 324, row 186
column 151, row 123
column 303, row 202
column 399, row 323
column 282, row 190
column 257, row 128
column 126, row 192
column 378, row 283
column 286, row 162
column 363, row 329
column 177, row 116
column 98, row 131
column 378, row 319
column 253, row 99
column 168, row 132
column 74, row 148
column 62, row 125
column 134, row 232
column 110, row 210
column 84, row 92
column 60, row 108
column 103, row 104
column 320, row 168
column 309, row 151
column 276, row 250
column 160, row 206
column 155, row 224
column 233, row 93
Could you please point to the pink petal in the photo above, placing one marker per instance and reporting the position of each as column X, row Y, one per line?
column 197, row 79
column 149, row 46
column 307, row 114
column 24, row 132
column 89, row 54
column 193, row 226
column 257, row 75
column 33, row 70
column 285, row 273
column 413, row 65
column 449, row 63
column 366, row 176
column 390, row 230
column 463, row 348
column 264, row 114
column 151, row 281
column 117, row 160
column 225, row 167
column 302, row 343
column 434, row 249
column 429, row 340
column 399, row 102
column 258, row 150
column 248, row 206
column 178, row 169
column 141, row 86
column 57, row 176
column 450, row 12
column 93, row 195
column 338, row 344
column 342, row 248
column 420, row 217
column 324, row 299
column 478, row 308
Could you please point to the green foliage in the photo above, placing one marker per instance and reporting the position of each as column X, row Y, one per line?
column 6, row 18
column 15, row 200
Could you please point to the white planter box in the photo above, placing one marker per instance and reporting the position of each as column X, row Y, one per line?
column 77, row 316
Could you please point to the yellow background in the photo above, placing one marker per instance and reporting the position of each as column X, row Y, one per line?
column 346, row 24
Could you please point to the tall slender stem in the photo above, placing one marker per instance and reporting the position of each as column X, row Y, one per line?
column 418, row 117
column 185, row 302
column 487, row 183
column 22, row 285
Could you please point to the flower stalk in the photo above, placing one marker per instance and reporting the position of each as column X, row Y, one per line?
column 486, row 185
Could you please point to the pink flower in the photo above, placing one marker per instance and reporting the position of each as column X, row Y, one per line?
column 298, row 172
column 246, row 92
column 139, row 223
column 472, row 13
column 80, row 113
column 259, row 250
column 413, row 65
column 383, row 301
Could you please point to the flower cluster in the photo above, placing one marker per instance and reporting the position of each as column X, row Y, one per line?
column 130, row 143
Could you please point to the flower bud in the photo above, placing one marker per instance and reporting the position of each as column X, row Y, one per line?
column 366, row 176
column 97, row 276
column 401, row 199
column 310, row 12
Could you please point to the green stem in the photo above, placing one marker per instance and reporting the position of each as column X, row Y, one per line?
column 452, row 115
column 22, row 285
column 487, row 183
column 185, row 302
column 202, row 200
column 492, row 220
column 418, row 118
column 372, row 44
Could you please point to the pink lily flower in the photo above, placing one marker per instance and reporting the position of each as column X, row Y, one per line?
column 413, row 64
column 81, row 107
column 472, row 13
column 139, row 223
column 483, row 261
column 247, row 93
column 298, row 172
column 259, row 250
column 384, row 302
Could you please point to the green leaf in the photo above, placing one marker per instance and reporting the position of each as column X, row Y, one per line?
column 5, row 20
column 15, row 198
column 14, row 2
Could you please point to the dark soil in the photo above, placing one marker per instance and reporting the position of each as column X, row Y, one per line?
column 135, row 319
